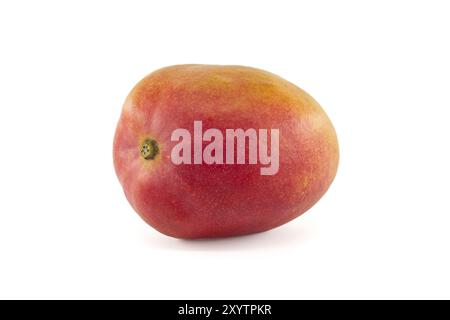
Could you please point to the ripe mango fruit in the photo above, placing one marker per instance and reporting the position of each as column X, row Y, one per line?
column 206, row 151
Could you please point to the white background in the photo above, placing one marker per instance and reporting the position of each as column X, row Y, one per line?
column 380, row 69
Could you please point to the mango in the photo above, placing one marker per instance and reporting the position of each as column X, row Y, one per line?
column 205, row 151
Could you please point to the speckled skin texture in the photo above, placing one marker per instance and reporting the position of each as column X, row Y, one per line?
column 202, row 201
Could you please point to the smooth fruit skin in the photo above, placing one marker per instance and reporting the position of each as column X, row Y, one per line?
column 206, row 201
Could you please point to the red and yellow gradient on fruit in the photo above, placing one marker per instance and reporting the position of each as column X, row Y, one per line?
column 220, row 200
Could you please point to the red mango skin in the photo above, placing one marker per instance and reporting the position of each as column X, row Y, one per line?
column 208, row 201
